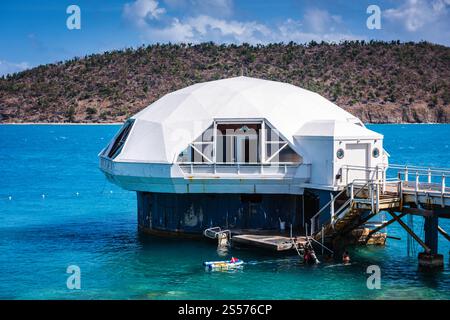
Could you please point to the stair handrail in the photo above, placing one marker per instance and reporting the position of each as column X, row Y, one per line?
column 351, row 199
column 337, row 213
column 322, row 245
column 214, row 232
column 312, row 219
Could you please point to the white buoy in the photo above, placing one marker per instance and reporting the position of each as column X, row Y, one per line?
column 110, row 191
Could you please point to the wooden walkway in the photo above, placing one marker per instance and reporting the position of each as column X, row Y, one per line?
column 359, row 201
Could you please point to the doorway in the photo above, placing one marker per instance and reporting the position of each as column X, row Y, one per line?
column 357, row 156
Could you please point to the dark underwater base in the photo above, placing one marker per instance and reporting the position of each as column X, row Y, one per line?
column 190, row 214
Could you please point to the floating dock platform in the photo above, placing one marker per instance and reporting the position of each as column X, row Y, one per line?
column 270, row 242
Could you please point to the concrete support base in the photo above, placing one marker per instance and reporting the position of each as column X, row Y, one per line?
column 429, row 261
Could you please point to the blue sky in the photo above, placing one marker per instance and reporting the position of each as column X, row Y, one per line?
column 34, row 32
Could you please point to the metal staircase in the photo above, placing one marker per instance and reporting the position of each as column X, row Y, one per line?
column 360, row 197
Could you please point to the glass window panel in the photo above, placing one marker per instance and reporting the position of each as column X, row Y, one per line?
column 197, row 156
column 206, row 136
column 192, row 155
column 288, row 155
column 207, row 150
column 239, row 142
column 185, row 155
column 272, row 134
column 120, row 140
column 226, row 151
column 272, row 148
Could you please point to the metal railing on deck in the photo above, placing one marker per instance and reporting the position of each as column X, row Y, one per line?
column 377, row 173
column 424, row 178
column 245, row 168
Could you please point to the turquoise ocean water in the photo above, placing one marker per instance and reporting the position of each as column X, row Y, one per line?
column 57, row 209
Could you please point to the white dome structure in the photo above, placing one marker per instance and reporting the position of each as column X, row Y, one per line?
column 231, row 138
column 176, row 119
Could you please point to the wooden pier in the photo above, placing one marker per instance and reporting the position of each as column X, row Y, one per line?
column 360, row 200
column 355, row 204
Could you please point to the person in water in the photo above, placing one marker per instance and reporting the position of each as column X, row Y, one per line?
column 234, row 260
column 307, row 257
column 346, row 257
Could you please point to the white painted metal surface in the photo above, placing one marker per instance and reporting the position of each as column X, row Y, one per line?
column 166, row 127
column 310, row 125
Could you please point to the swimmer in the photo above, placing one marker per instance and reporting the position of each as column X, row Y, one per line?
column 346, row 257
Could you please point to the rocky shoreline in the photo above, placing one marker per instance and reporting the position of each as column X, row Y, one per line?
column 379, row 82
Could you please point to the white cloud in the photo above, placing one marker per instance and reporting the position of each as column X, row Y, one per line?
column 174, row 32
column 321, row 22
column 215, row 8
column 291, row 30
column 140, row 11
column 415, row 15
column 205, row 28
column 11, row 67
column 316, row 25
column 316, row 20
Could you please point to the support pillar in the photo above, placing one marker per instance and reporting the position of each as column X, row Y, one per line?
column 429, row 261
column 431, row 233
column 432, row 259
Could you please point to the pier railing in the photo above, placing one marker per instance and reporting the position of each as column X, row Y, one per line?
column 421, row 179
column 381, row 186
column 413, row 178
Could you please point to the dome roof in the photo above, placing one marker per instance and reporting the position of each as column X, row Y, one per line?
column 337, row 129
column 166, row 127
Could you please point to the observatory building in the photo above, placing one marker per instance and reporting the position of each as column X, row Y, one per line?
column 239, row 153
